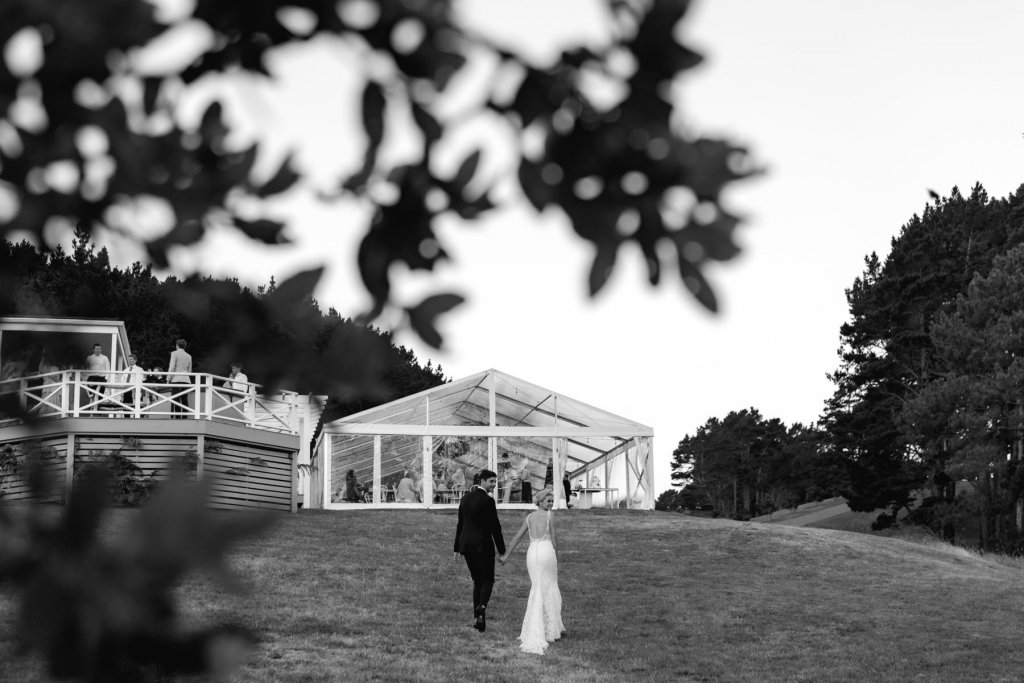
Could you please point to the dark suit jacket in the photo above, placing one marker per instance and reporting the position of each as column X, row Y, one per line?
column 479, row 530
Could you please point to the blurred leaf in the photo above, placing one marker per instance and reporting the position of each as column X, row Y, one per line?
column 185, row 232
column 83, row 512
column 98, row 607
column 373, row 113
column 578, row 56
column 177, row 532
column 716, row 237
column 601, row 268
column 423, row 317
column 652, row 229
column 714, row 165
column 151, row 90
column 282, row 180
column 698, row 285
column 471, row 209
column 212, row 127
column 263, row 230
column 466, row 171
column 295, row 290
column 658, row 54
column 432, row 130
column 373, row 124
column 400, row 232
column 373, row 269
column 534, row 98
column 536, row 190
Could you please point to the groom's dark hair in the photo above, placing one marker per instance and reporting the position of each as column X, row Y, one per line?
column 486, row 474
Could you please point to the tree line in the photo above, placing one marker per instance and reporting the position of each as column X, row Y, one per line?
column 929, row 386
column 926, row 421
column 301, row 349
column 745, row 465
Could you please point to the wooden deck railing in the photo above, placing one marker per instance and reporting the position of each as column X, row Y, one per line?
column 204, row 397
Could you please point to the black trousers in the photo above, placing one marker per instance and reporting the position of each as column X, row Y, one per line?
column 180, row 411
column 481, row 568
column 97, row 382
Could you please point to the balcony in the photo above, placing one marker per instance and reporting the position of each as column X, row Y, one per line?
column 246, row 442
column 69, row 394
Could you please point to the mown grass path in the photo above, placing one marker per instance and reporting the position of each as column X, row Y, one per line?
column 376, row 595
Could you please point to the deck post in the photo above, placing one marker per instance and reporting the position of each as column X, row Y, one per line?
column 208, row 409
column 295, row 481
column 76, row 387
column 197, row 396
column 69, row 467
column 65, row 395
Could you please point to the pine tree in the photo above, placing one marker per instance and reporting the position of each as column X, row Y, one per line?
column 887, row 352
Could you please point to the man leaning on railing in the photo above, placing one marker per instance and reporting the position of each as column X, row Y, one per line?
column 237, row 380
column 238, row 383
column 133, row 378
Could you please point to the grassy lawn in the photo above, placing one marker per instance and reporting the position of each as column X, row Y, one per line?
column 376, row 595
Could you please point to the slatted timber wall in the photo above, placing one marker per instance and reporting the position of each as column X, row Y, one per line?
column 54, row 451
column 248, row 476
column 242, row 475
column 154, row 455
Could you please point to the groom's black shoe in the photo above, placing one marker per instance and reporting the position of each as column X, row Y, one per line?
column 480, row 624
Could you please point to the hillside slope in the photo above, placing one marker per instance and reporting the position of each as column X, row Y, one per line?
column 647, row 596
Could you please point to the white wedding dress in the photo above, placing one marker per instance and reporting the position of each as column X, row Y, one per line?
column 543, row 621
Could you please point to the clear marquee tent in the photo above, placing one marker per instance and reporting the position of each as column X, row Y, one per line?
column 454, row 430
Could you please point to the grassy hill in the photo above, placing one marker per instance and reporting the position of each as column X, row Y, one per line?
column 377, row 595
column 832, row 513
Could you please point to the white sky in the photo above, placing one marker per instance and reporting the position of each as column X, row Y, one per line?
column 856, row 109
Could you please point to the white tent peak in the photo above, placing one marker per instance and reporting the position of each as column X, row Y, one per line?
column 518, row 402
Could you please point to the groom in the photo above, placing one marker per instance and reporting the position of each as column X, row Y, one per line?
column 478, row 532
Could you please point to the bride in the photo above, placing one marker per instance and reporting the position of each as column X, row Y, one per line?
column 543, row 621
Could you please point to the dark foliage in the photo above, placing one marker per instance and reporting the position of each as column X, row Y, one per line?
column 613, row 168
column 689, row 499
column 298, row 348
column 127, row 483
column 101, row 607
column 743, row 466
column 907, row 357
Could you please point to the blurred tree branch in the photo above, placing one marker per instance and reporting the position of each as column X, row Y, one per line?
column 84, row 128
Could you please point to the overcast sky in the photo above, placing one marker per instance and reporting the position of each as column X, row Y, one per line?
column 856, row 110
